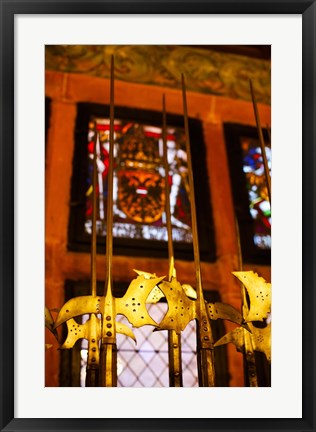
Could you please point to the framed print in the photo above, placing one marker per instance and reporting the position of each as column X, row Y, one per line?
column 76, row 138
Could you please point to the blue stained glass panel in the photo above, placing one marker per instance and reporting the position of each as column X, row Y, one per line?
column 259, row 205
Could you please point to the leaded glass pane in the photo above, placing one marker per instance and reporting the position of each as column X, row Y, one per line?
column 146, row 363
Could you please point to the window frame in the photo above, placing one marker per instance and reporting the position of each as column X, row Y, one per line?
column 233, row 132
column 79, row 241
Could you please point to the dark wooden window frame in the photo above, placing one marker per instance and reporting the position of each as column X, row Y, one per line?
column 233, row 132
column 79, row 241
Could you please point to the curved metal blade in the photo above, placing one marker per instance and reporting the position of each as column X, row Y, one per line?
column 259, row 294
column 79, row 306
column 236, row 337
column 181, row 309
column 123, row 329
column 190, row 291
column 75, row 332
column 261, row 339
column 224, row 311
column 156, row 294
column 133, row 304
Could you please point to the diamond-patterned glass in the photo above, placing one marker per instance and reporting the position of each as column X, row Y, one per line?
column 146, row 363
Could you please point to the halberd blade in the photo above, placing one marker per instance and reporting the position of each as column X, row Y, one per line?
column 236, row 337
column 259, row 294
column 181, row 309
column 261, row 339
column 123, row 329
column 224, row 311
column 133, row 304
column 75, row 332
column 79, row 306
column 155, row 294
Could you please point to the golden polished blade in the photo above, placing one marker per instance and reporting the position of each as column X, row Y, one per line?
column 124, row 330
column 155, row 294
column 236, row 337
column 174, row 334
column 190, row 291
column 251, row 368
column 108, row 349
column 259, row 292
column 260, row 339
column 205, row 354
column 49, row 322
column 90, row 330
column 79, row 306
column 181, row 309
column 133, row 304
column 219, row 310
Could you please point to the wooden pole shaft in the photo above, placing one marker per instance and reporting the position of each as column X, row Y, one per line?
column 205, row 349
column 94, row 217
column 249, row 356
column 108, row 356
column 174, row 339
column 109, row 214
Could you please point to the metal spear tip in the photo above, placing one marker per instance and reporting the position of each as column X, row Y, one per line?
column 123, row 329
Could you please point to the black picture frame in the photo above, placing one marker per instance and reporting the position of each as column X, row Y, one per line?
column 8, row 11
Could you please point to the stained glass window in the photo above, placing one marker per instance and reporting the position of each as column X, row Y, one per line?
column 250, row 193
column 139, row 221
column 259, row 205
column 138, row 183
